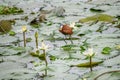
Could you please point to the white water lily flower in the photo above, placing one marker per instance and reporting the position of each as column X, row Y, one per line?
column 118, row 46
column 21, row 31
column 24, row 28
column 44, row 46
column 89, row 52
column 84, row 79
column 72, row 25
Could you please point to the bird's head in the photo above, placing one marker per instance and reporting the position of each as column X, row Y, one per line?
column 60, row 27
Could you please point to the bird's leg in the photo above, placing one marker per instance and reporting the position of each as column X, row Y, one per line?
column 71, row 39
column 65, row 39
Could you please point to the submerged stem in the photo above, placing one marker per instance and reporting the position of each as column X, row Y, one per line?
column 91, row 64
column 36, row 40
column 46, row 63
column 24, row 38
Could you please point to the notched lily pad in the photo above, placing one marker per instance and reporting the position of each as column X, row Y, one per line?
column 98, row 17
column 87, row 64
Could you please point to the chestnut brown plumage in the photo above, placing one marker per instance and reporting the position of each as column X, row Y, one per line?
column 66, row 30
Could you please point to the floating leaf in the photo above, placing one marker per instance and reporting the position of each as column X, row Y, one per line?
column 7, row 51
column 114, row 75
column 12, row 33
column 73, row 38
column 41, row 56
column 35, row 25
column 96, row 10
column 118, row 16
column 78, row 25
column 104, row 74
column 28, row 39
column 9, row 10
column 68, row 47
column 15, row 71
column 84, row 46
column 49, row 23
column 58, row 11
column 5, row 26
column 113, row 61
column 106, row 50
column 87, row 64
column 98, row 17
column 7, row 39
column 81, row 34
column 118, row 26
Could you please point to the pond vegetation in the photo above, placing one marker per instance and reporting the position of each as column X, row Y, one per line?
column 59, row 40
column 9, row 10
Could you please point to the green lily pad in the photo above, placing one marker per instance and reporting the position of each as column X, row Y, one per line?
column 96, row 10
column 7, row 51
column 49, row 23
column 12, row 33
column 28, row 39
column 15, row 71
column 73, row 38
column 87, row 64
column 98, row 17
column 7, row 39
column 112, row 61
column 106, row 50
column 41, row 56
column 9, row 10
column 104, row 74
column 68, row 47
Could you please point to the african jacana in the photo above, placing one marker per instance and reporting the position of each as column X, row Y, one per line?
column 66, row 30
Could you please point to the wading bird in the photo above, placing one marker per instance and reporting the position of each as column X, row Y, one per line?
column 67, row 30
